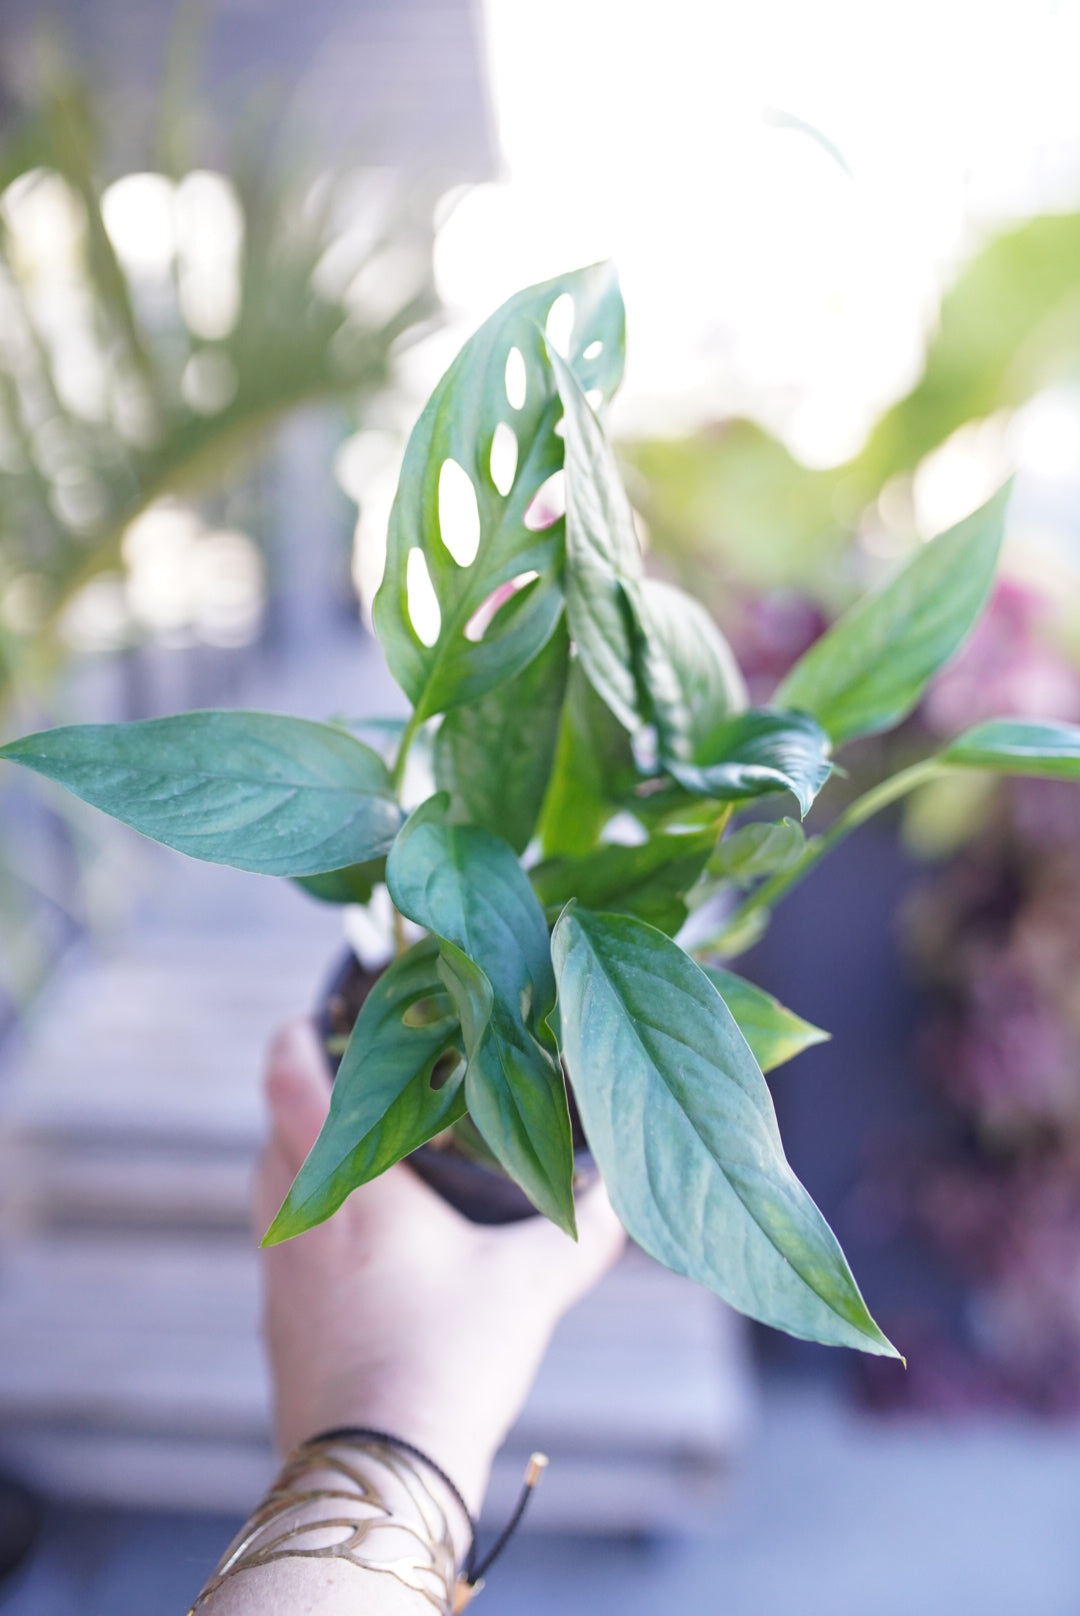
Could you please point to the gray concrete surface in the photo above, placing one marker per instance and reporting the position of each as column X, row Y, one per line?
column 832, row 1513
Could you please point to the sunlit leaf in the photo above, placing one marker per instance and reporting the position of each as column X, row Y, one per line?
column 384, row 1104
column 453, row 657
column 775, row 1034
column 1019, row 746
column 603, row 558
column 260, row 791
column 465, row 885
column 680, row 1121
column 872, row 666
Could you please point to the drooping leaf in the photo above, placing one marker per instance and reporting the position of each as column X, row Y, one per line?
column 465, row 885
column 649, row 880
column 494, row 756
column 383, row 1105
column 680, row 1121
column 757, row 850
column 870, row 669
column 354, row 884
column 593, row 770
column 757, row 752
column 454, row 657
column 260, row 791
column 1019, row 746
column 775, row 1034
column 686, row 671
column 603, row 558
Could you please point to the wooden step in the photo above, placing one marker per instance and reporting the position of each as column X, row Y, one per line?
column 131, row 1370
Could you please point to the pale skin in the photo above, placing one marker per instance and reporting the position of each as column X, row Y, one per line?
column 401, row 1315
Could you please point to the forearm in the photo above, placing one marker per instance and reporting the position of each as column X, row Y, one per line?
column 351, row 1524
column 314, row 1588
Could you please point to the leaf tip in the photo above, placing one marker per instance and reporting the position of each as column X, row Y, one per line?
column 286, row 1225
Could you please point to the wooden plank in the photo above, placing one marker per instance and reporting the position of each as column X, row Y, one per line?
column 131, row 1369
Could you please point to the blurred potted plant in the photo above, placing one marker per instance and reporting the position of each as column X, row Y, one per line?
column 988, row 1180
column 568, row 700
column 154, row 329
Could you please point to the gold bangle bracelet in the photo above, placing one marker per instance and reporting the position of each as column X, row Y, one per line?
column 364, row 1502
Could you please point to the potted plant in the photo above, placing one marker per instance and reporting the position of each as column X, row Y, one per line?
column 567, row 696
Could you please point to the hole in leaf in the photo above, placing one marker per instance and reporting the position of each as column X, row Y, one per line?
column 559, row 324
column 424, row 613
column 482, row 618
column 504, row 454
column 594, row 350
column 459, row 518
column 446, row 1067
column 515, row 379
column 547, row 504
column 425, row 1013
column 594, row 398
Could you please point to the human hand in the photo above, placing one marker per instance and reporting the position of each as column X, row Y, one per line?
column 398, row 1313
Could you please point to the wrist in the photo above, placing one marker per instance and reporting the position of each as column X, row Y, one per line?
column 436, row 1425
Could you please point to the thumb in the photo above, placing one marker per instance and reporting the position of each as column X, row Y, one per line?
column 297, row 1090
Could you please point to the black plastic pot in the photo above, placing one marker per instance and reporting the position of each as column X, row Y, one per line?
column 478, row 1192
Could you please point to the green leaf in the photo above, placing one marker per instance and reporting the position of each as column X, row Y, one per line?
column 757, row 850
column 650, row 880
column 775, row 1035
column 686, row 670
column 1018, row 746
column 354, row 884
column 680, row 1121
column 467, row 659
column 603, row 558
column 465, row 885
column 383, row 1105
column 759, row 751
column 592, row 773
column 262, row 792
column 494, row 756
column 870, row 669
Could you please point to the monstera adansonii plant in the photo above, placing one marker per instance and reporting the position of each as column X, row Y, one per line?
column 592, row 753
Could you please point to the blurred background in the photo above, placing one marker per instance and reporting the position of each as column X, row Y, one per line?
column 239, row 241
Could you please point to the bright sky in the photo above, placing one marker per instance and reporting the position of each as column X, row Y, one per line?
column 784, row 186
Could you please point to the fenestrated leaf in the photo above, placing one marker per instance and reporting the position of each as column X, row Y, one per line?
column 354, row 884
column 686, row 671
column 872, row 666
column 494, row 756
column 757, row 850
column 649, row 880
column 1019, row 746
column 383, row 1104
column 775, row 1034
column 260, row 791
column 757, row 752
column 465, row 885
column 459, row 423
column 603, row 558
column 680, row 1121
column 592, row 773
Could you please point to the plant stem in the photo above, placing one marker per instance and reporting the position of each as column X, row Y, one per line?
column 408, row 735
column 855, row 814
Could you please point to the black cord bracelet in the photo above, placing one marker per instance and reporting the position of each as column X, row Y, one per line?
column 472, row 1571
